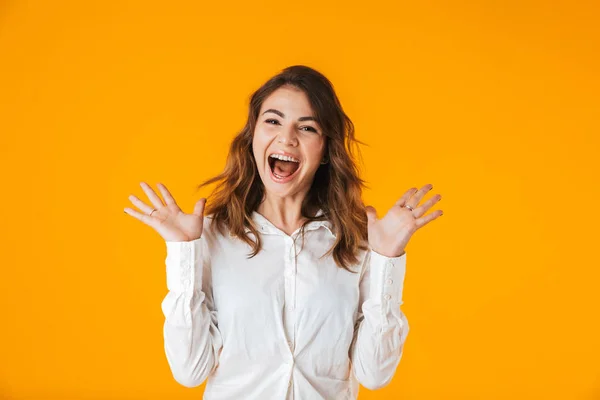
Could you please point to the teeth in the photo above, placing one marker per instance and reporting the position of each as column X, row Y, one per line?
column 284, row 158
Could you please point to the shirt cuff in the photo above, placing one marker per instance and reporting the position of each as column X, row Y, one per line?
column 184, row 265
column 387, row 277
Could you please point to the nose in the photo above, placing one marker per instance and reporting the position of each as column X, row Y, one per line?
column 288, row 136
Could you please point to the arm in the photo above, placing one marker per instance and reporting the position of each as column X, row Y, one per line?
column 192, row 339
column 381, row 328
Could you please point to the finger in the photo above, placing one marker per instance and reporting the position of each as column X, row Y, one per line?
column 371, row 214
column 142, row 217
column 422, row 209
column 416, row 198
column 154, row 199
column 140, row 204
column 428, row 218
column 402, row 201
column 199, row 207
column 166, row 194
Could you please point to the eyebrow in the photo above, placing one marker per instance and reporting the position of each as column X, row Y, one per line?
column 282, row 115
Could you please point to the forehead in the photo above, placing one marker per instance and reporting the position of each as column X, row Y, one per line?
column 288, row 100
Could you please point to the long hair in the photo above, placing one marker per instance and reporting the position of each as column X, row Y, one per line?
column 336, row 188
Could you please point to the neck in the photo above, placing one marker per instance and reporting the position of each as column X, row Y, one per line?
column 283, row 212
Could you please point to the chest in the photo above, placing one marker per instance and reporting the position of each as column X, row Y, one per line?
column 285, row 272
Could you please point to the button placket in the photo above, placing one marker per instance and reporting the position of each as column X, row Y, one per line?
column 290, row 291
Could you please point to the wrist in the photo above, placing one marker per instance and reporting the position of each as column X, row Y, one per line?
column 389, row 254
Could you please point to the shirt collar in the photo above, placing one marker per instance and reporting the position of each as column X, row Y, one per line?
column 265, row 226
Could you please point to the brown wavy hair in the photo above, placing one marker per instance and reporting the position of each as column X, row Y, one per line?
column 336, row 188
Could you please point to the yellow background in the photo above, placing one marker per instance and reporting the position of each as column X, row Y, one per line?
column 494, row 103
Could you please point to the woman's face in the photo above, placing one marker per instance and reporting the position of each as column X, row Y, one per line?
column 286, row 125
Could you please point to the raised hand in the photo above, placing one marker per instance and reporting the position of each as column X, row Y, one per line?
column 167, row 219
column 389, row 235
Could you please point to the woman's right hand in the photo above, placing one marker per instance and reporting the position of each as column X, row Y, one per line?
column 168, row 220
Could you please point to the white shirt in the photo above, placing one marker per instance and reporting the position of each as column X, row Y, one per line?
column 279, row 326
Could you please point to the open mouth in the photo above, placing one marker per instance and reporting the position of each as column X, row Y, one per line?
column 283, row 170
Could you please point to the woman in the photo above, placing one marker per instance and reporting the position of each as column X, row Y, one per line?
column 259, row 313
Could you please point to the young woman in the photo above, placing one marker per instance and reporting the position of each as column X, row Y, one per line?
column 289, row 287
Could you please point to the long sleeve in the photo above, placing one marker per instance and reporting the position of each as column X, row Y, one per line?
column 191, row 335
column 381, row 327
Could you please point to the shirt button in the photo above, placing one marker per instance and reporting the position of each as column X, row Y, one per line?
column 387, row 297
column 290, row 344
column 389, row 281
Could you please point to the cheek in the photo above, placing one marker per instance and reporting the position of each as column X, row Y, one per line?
column 315, row 149
column 261, row 135
column 259, row 146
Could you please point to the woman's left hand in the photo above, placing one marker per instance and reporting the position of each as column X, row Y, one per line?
column 389, row 235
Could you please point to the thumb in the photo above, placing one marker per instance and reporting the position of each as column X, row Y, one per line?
column 371, row 214
column 199, row 207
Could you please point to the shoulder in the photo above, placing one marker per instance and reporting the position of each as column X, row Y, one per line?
column 208, row 226
column 210, row 229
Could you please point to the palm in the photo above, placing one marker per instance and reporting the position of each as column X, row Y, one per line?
column 393, row 230
column 390, row 234
column 168, row 219
column 171, row 219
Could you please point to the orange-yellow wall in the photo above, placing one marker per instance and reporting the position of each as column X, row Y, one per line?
column 495, row 103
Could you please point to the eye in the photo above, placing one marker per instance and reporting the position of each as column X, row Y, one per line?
column 310, row 128
column 269, row 121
